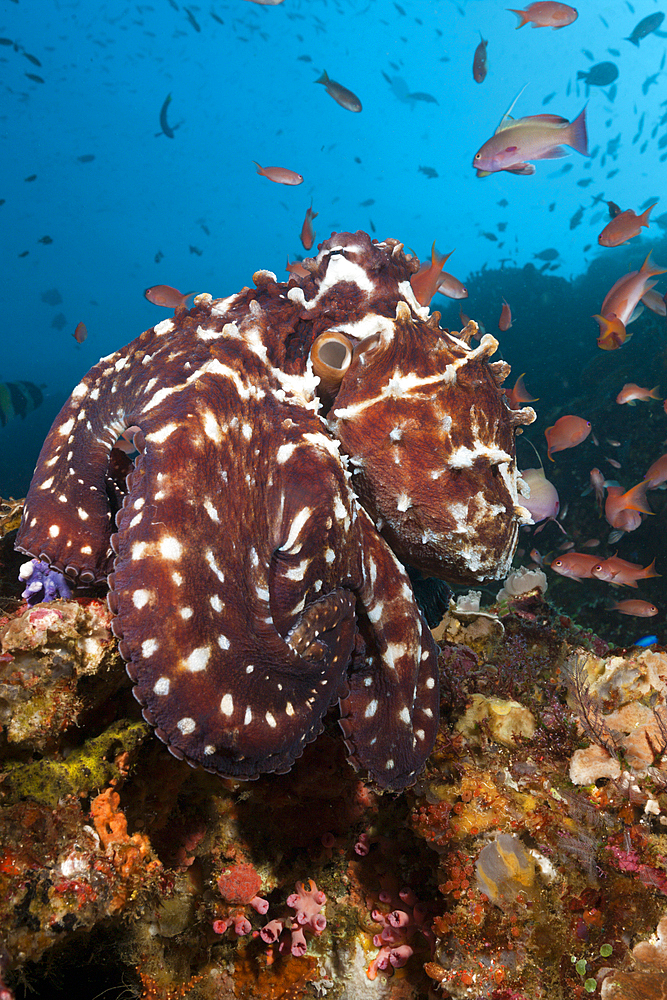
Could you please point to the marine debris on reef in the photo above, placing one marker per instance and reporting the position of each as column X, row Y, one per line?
column 526, row 856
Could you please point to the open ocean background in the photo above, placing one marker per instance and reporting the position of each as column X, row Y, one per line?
column 84, row 162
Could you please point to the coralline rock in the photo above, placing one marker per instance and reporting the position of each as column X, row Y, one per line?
column 589, row 765
column 505, row 719
column 522, row 581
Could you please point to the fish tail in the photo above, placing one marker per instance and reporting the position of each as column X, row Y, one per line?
column 649, row 571
column 259, row 169
column 654, row 392
column 577, row 136
column 635, row 498
column 324, row 78
column 631, row 40
column 643, row 218
column 612, row 332
column 525, row 17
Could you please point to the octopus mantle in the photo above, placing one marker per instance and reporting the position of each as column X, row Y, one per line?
column 295, row 440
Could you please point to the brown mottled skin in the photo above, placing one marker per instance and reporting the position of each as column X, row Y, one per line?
column 250, row 587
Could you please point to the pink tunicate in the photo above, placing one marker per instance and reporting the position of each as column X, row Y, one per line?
column 271, row 931
column 398, row 918
column 362, row 846
column 407, row 896
column 299, row 945
column 260, row 905
column 220, row 926
column 242, row 926
column 399, row 956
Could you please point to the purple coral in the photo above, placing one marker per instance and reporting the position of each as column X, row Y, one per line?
column 42, row 582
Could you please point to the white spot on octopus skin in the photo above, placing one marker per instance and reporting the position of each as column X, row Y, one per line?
column 47, row 484
column 177, row 578
column 371, row 709
column 223, row 642
column 211, row 511
column 161, row 686
column 211, row 427
column 270, row 720
column 83, row 514
column 170, row 547
column 247, row 718
column 404, row 716
column 186, row 613
column 186, row 726
column 140, row 598
column 216, row 603
column 54, row 531
column 295, row 528
column 430, row 683
column 149, row 647
column 65, row 428
column 159, row 437
column 227, row 705
column 389, row 765
column 210, row 559
column 166, row 326
column 197, row 659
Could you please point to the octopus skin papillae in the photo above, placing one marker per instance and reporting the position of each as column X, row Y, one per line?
column 298, row 442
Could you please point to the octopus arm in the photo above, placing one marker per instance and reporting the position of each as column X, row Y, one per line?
column 228, row 525
column 390, row 714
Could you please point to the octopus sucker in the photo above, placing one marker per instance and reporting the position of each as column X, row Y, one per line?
column 252, row 547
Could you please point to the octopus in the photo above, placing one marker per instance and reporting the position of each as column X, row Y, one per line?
column 296, row 445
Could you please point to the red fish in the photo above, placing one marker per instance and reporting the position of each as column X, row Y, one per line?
column 576, row 565
column 657, row 474
column 479, row 66
column 307, row 234
column 279, row 175
column 165, row 295
column 425, row 281
column 633, row 607
column 80, row 333
column 631, row 392
column 451, row 287
column 620, row 302
column 567, row 432
column 623, row 510
column 505, row 321
column 598, row 483
column 519, row 394
column 623, row 227
column 546, row 14
column 622, row 573
column 297, row 268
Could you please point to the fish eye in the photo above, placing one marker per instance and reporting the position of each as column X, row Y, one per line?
column 477, row 156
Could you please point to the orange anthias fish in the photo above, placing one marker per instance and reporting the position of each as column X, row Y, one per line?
column 623, row 227
column 620, row 302
column 80, row 333
column 624, row 510
column 165, row 295
column 657, row 474
column 519, row 394
column 279, row 175
column 621, row 573
column 538, row 137
column 576, row 565
column 546, row 14
column 425, row 281
column 505, row 321
column 307, row 234
column 296, row 267
column 451, row 287
column 567, row 432
column 631, row 392
column 643, row 609
column 479, row 62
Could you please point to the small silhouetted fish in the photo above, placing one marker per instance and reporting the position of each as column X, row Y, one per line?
column 662, row 141
column 45, row 240
column 421, row 96
column 577, row 217
column 6, row 41
column 196, row 250
column 80, row 333
column 614, row 52
column 369, row 201
column 642, row 148
column 33, row 59
column 649, row 81
column 549, row 97
column 24, row 254
column 372, row 225
column 501, row 227
column 585, row 182
column 340, row 94
column 158, row 257
column 588, row 54
column 549, row 254
column 552, row 206
column 33, row 76
column 191, row 19
column 645, row 27
column 205, row 228
column 599, row 75
column 429, row 171
column 59, row 322
column 566, row 169
column 491, row 236
column 612, row 173
column 2, row 201
column 51, row 296
column 86, row 158
column 612, row 145
column 649, row 201
column 399, row 9
column 503, row 203
column 164, row 125
column 304, row 59
column 662, row 220
column 216, row 17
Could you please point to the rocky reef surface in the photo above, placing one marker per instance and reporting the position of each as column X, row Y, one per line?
column 527, row 862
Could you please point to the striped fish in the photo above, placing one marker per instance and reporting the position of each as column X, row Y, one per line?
column 17, row 399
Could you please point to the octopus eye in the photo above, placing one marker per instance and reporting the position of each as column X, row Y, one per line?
column 331, row 355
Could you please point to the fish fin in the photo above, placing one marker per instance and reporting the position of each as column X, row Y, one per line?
column 484, row 173
column 631, row 40
column 648, row 268
column 521, row 168
column 643, row 218
column 577, row 135
column 649, row 571
column 524, row 15
column 554, row 153
column 324, row 78
column 507, row 120
column 259, row 168
column 654, row 392
column 635, row 498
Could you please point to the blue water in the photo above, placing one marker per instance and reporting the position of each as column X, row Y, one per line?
column 245, row 90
